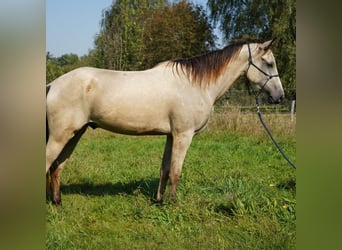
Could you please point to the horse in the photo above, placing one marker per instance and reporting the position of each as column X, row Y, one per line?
column 175, row 98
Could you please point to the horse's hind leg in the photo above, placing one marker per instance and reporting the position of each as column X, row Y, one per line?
column 165, row 168
column 53, row 149
column 55, row 183
column 58, row 165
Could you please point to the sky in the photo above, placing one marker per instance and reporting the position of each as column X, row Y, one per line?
column 71, row 25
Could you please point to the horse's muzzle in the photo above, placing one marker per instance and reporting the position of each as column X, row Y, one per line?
column 273, row 100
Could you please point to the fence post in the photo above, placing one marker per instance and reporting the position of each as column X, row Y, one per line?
column 292, row 109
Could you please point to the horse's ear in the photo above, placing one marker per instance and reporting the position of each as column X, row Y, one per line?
column 267, row 45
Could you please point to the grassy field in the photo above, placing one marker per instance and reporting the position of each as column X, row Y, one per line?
column 236, row 191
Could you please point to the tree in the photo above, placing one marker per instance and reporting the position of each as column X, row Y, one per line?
column 57, row 66
column 137, row 34
column 263, row 19
column 53, row 70
column 120, row 42
column 179, row 30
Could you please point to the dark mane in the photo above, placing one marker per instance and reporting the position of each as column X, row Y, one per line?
column 206, row 68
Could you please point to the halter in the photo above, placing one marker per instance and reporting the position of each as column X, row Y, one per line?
column 250, row 62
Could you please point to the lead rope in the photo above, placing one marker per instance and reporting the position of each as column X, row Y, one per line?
column 269, row 132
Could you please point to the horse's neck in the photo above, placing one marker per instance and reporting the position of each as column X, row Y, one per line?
column 234, row 70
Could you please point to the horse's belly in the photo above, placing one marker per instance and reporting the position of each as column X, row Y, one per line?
column 133, row 129
column 134, row 124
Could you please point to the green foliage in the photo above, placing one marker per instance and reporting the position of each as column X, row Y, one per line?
column 57, row 66
column 137, row 34
column 53, row 71
column 235, row 192
column 177, row 31
column 264, row 19
column 119, row 44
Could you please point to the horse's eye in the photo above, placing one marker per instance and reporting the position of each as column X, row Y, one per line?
column 270, row 65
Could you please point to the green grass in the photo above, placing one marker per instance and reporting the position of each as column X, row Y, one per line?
column 236, row 191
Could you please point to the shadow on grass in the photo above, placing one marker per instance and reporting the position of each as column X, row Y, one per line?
column 287, row 185
column 226, row 210
column 147, row 187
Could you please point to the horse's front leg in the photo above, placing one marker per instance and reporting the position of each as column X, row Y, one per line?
column 181, row 143
column 165, row 168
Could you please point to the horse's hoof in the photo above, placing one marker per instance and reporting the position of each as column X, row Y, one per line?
column 57, row 202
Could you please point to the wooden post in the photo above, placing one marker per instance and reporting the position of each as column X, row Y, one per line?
column 292, row 109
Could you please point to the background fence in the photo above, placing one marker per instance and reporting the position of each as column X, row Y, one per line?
column 244, row 101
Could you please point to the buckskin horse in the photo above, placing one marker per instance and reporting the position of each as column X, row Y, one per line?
column 175, row 98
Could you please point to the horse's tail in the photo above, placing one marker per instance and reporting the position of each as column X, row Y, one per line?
column 47, row 124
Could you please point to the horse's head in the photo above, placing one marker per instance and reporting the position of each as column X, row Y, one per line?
column 262, row 70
